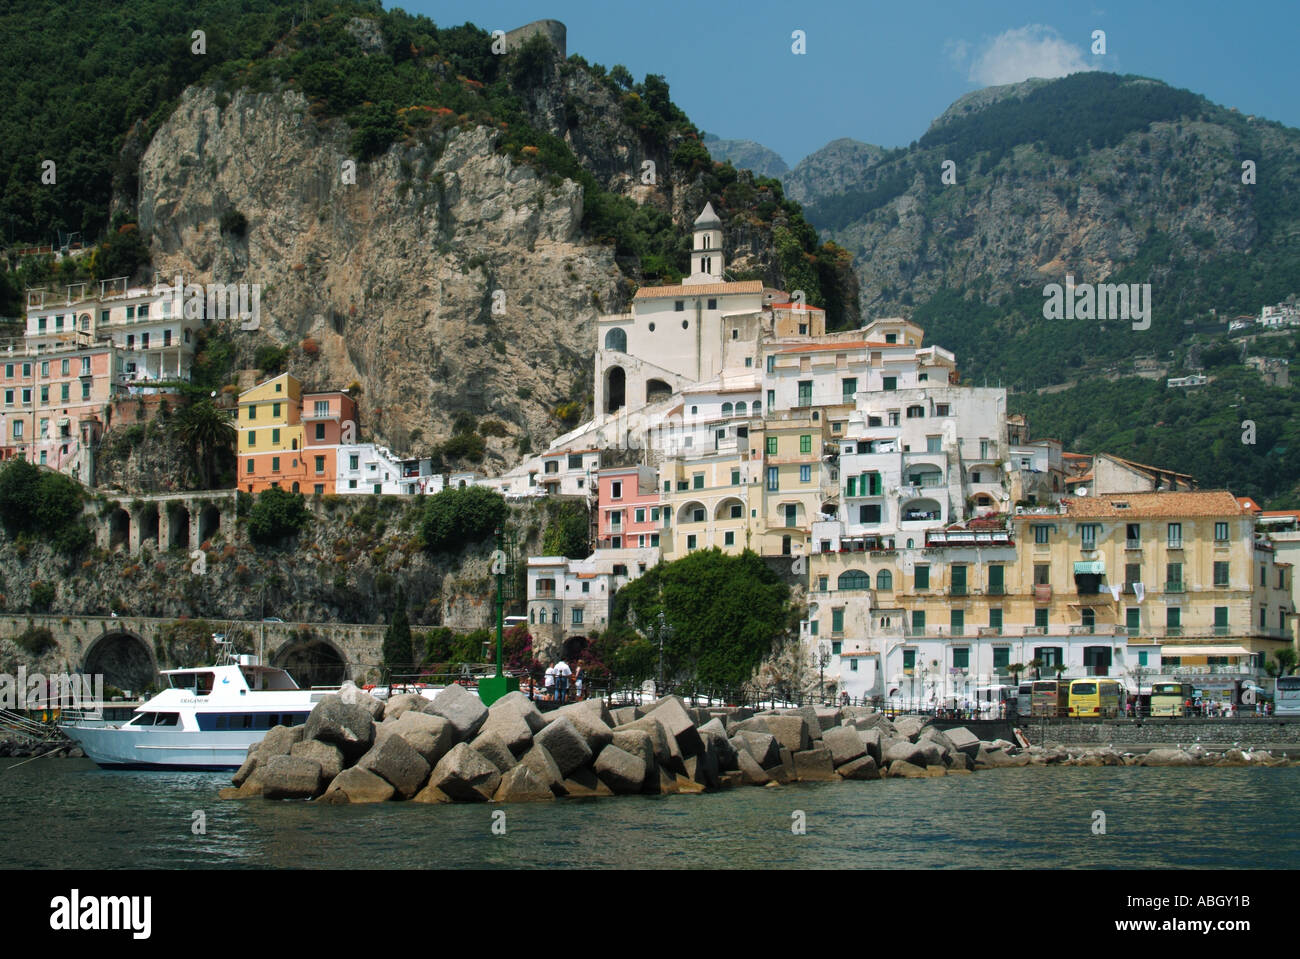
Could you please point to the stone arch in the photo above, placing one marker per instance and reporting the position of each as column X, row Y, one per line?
column 657, row 390
column 686, row 513
column 616, row 340
column 123, row 658
column 119, row 528
column 178, row 526
column 209, row 522
column 615, row 389
column 149, row 525
column 311, row 661
column 723, row 510
column 572, row 648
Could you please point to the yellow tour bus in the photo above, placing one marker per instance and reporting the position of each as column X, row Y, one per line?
column 1051, row 697
column 1170, row 699
column 1096, row 697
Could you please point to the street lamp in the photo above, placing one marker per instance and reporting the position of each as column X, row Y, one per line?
column 663, row 628
column 823, row 657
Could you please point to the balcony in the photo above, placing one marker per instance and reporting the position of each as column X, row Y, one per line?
column 1175, row 544
column 983, row 631
column 1133, row 544
column 1035, row 631
column 998, row 589
column 1173, row 632
column 544, row 594
column 958, row 591
column 1178, row 587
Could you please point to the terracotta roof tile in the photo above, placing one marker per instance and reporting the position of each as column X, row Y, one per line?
column 1165, row 504
column 699, row 289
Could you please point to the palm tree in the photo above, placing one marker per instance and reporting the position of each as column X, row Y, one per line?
column 206, row 430
column 1282, row 664
column 1015, row 669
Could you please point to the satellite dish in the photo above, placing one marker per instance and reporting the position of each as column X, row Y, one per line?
column 1081, row 491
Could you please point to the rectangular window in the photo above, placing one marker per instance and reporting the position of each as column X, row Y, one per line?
column 934, row 444
column 837, row 620
column 805, row 443
column 1220, row 574
column 1173, row 619
column 320, row 431
column 275, row 410
column 1088, row 532
column 1173, row 577
column 1132, row 620
column 773, row 479
column 1220, row 532
column 577, row 617
column 63, row 393
column 318, row 489
column 713, row 305
column 1040, row 619
column 275, row 464
column 679, row 305
column 1042, row 534
column 729, row 538
column 957, row 619
column 961, row 657
column 1133, row 535
column 958, row 579
column 320, row 464
column 85, row 366
column 805, row 474
column 697, row 481
column 997, row 580
column 791, row 515
column 869, row 514
column 85, row 391
column 1221, row 620
column 698, row 515
column 322, row 407
column 918, row 622
column 616, row 490
column 1132, row 574
column 250, row 466
column 891, row 383
column 252, row 437
column 354, row 461
column 995, row 620
column 850, row 387
column 922, row 576
column 45, row 368
column 771, row 399
column 1175, row 535
column 909, row 660
column 252, row 411
column 805, row 392
column 1042, row 574
column 735, row 477
column 639, row 514
column 737, row 511
column 690, row 541
column 275, row 436
column 771, row 445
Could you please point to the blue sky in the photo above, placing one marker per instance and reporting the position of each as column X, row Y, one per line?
column 880, row 72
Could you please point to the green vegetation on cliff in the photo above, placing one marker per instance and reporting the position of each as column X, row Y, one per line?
column 41, row 504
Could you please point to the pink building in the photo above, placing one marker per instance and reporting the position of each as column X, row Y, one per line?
column 629, row 515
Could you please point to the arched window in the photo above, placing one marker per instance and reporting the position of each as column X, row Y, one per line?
column 884, row 580
column 740, row 408
column 854, row 579
column 758, row 408
column 616, row 339
column 542, row 614
column 726, row 409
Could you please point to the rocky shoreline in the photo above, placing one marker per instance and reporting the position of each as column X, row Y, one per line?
column 20, row 748
column 355, row 749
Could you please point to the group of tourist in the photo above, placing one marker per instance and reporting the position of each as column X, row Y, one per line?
column 556, row 684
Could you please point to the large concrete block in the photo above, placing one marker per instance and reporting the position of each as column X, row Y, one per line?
column 357, row 785
column 464, row 710
column 763, row 747
column 588, row 722
column 566, row 745
column 871, row 741
column 754, row 724
column 902, row 750
column 861, row 768
column 584, row 782
column 290, row 777
column 667, row 752
column 827, row 717
column 429, row 735
column 621, row 771
column 466, row 776
column 844, row 743
column 401, row 703
column 638, row 743
column 543, row 767
column 330, row 758
column 517, row 702
column 964, row 740
column 678, row 724
column 905, row 770
column 909, row 727
column 751, row 772
column 814, row 765
column 398, row 764
column 351, row 728
column 791, row 731
column 521, row 784
column 354, row 696
column 493, row 748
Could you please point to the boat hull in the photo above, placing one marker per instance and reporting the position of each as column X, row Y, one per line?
column 127, row 748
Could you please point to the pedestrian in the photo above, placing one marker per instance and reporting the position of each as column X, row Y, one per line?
column 550, row 683
column 562, row 674
column 577, row 683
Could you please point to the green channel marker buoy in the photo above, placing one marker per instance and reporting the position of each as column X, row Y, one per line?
column 492, row 688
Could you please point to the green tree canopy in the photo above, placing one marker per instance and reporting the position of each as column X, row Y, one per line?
column 567, row 531
column 725, row 612
column 276, row 515
column 399, row 656
column 459, row 516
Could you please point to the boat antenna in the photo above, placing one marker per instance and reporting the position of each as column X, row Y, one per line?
column 225, row 649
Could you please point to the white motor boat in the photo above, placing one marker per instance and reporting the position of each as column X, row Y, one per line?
column 205, row 720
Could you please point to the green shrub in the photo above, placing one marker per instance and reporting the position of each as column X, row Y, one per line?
column 42, row 595
column 43, row 503
column 276, row 515
column 36, row 640
column 459, row 516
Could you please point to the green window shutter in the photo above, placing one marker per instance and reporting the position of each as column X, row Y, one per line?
column 837, row 620
column 923, row 577
column 853, row 486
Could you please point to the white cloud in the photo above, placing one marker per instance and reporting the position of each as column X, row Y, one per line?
column 1031, row 51
column 956, row 52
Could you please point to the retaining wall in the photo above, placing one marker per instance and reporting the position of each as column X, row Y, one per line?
column 1142, row 732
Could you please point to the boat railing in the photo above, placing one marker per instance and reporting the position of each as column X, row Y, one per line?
column 17, row 722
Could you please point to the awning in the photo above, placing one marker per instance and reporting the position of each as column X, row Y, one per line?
column 1205, row 651
column 1089, row 568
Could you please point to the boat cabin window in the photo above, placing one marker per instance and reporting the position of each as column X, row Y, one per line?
column 198, row 683
column 156, row 719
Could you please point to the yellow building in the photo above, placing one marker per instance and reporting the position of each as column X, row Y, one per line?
column 709, row 501
column 1170, row 584
column 271, row 436
column 798, row 480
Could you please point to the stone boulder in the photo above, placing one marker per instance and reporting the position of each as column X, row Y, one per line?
column 544, row 767
column 279, row 741
column 621, row 771
column 493, row 748
column 863, row 767
column 763, row 747
column 623, row 715
column 466, row 776
column 403, row 702
column 638, row 743
column 330, row 758
column 1167, row 757
column 353, row 696
column 715, row 735
column 751, row 772
column 249, row 766
column 463, row 709
column 509, row 726
column 677, row 722
column 909, row 727
column 517, row 702
column 567, row 746
column 396, row 761
column 357, row 785
column 827, row 717
column 521, row 784
column 430, row 736
column 290, row 777
column 905, row 770
column 901, row 750
column 584, row 782
column 844, row 743
column 872, row 740
column 814, row 765
column 350, row 727
column 755, row 724
column 587, row 722
column 667, row 752
column 965, row 741
column 791, row 731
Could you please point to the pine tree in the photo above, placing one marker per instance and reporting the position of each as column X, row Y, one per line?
column 398, row 654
